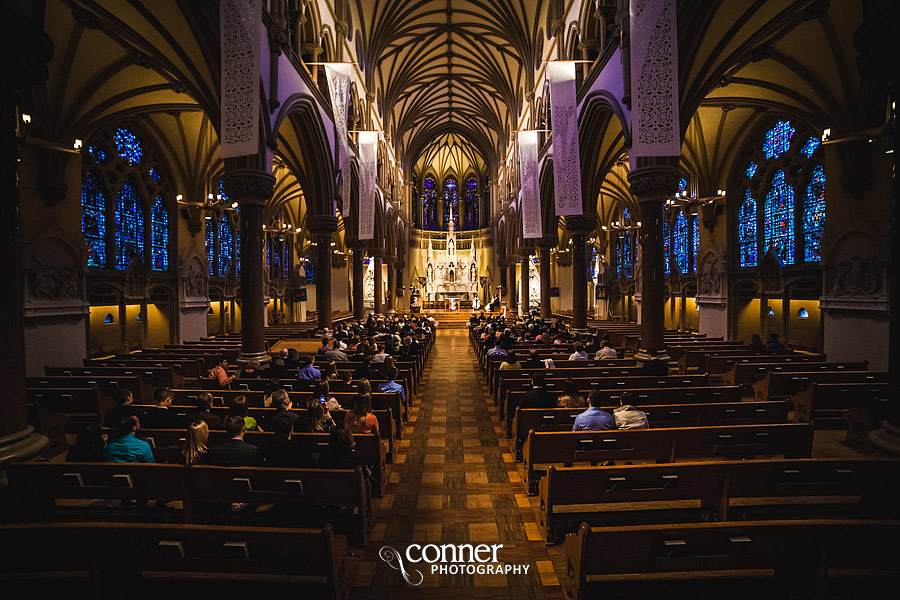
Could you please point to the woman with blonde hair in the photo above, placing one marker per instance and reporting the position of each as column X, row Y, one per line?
column 196, row 443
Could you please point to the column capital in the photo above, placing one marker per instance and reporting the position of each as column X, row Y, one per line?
column 547, row 242
column 653, row 180
column 581, row 224
column 502, row 264
column 389, row 259
column 249, row 187
column 354, row 243
column 322, row 224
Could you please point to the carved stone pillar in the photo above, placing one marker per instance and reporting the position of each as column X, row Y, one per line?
column 358, row 275
column 251, row 189
column 323, row 226
column 544, row 248
column 579, row 227
column 502, row 266
column 379, row 277
column 391, row 283
column 512, row 301
column 651, row 184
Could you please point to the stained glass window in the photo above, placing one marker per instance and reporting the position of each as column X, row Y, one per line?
column 415, row 187
column 680, row 242
column 155, row 175
column 211, row 245
column 226, row 246
column 310, row 265
column 810, row 147
column 814, row 215
column 128, row 145
column 93, row 218
column 237, row 247
column 451, row 200
column 682, row 187
column 129, row 216
column 286, row 259
column 159, row 236
column 626, row 250
column 778, row 219
column 667, row 245
column 751, row 170
column 429, row 204
column 747, row 235
column 778, row 139
column 471, row 203
column 97, row 154
column 695, row 240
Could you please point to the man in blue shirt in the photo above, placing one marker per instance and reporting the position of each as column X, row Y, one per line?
column 393, row 386
column 308, row 371
column 497, row 350
column 594, row 418
column 126, row 448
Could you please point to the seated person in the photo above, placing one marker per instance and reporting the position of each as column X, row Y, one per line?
column 126, row 447
column 360, row 417
column 196, row 444
column 342, row 452
column 219, row 376
column 533, row 361
column 203, row 412
column 497, row 350
column 579, row 352
column 655, row 366
column 379, row 356
column 325, row 347
column 318, row 419
column 510, row 362
column 238, row 407
column 391, row 385
column 594, row 418
column 159, row 416
column 537, row 396
column 253, row 370
column 627, row 416
column 365, row 370
column 234, row 452
column 322, row 393
column 282, row 404
column 309, row 371
column 90, row 445
column 774, row 344
column 281, row 452
column 606, row 352
column 571, row 397
column 124, row 407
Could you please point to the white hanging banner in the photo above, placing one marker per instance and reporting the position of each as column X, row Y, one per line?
column 368, row 154
column 655, row 129
column 531, row 193
column 566, row 157
column 338, row 75
column 240, row 22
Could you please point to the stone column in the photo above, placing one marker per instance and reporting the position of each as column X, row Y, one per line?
column 251, row 188
column 379, row 296
column 502, row 265
column 651, row 183
column 323, row 226
column 524, row 281
column 512, row 302
column 544, row 248
column 579, row 227
column 358, row 275
column 391, row 283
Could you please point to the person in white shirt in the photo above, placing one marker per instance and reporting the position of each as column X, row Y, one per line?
column 579, row 353
column 605, row 352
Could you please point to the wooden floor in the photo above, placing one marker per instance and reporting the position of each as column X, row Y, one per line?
column 455, row 481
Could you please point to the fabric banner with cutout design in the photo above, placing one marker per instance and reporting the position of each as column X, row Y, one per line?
column 240, row 22
column 368, row 155
column 655, row 129
column 566, row 157
column 338, row 75
column 531, row 193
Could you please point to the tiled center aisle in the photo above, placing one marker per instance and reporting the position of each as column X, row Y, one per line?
column 455, row 481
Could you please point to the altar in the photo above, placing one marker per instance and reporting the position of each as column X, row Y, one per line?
column 451, row 276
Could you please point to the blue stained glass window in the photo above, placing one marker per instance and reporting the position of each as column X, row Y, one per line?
column 778, row 219
column 778, row 139
column 626, row 250
column 747, row 235
column 814, row 215
column 286, row 259
column 680, row 241
column 695, row 240
column 429, row 204
column 128, row 145
column 226, row 246
column 451, row 200
column 811, row 145
column 309, row 264
column 159, row 236
column 97, row 154
column 237, row 248
column 129, row 224
column 471, row 203
column 155, row 175
column 682, row 186
column 751, row 170
column 667, row 245
column 415, row 186
column 211, row 246
column 93, row 218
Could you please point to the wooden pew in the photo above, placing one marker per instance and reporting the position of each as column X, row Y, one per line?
column 694, row 358
column 699, row 559
column 722, row 363
column 154, row 376
column 101, row 559
column 107, row 384
column 577, row 368
column 838, row 405
column 783, row 384
column 55, row 412
column 721, row 491
column 792, row 440
column 746, row 373
column 297, row 385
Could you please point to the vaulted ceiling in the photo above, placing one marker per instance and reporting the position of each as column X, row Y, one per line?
column 440, row 67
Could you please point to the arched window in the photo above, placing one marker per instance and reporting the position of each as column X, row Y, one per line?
column 667, row 245
column 124, row 216
column 695, row 240
column 429, row 204
column 223, row 237
column 93, row 218
column 415, row 187
column 211, row 245
column 626, row 249
column 681, row 242
column 129, row 216
column 783, row 205
column 226, row 246
column 159, row 236
column 471, row 203
column 309, row 264
column 451, row 201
